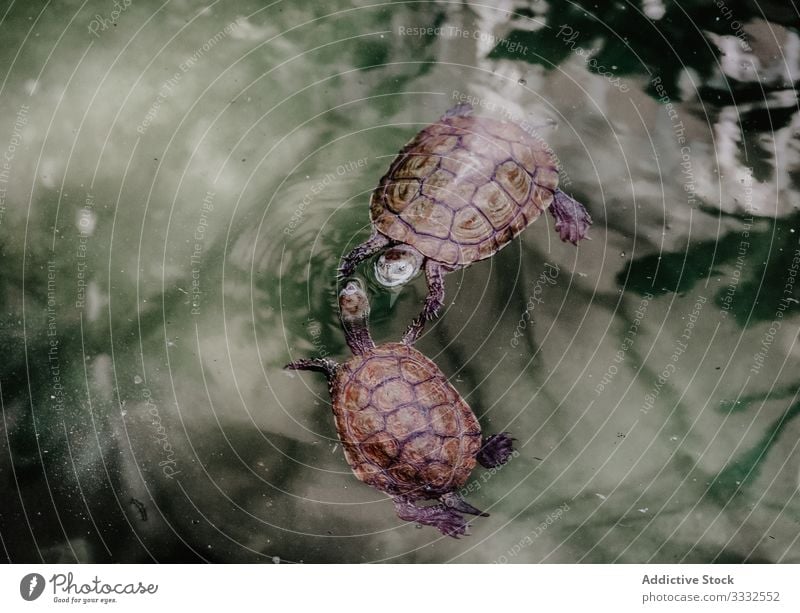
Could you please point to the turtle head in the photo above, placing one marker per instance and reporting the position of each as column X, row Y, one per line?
column 354, row 313
column 398, row 265
column 353, row 302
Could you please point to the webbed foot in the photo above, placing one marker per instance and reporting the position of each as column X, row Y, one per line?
column 572, row 219
column 371, row 246
column 496, row 450
column 456, row 502
column 446, row 520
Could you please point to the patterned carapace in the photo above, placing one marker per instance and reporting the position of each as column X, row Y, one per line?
column 405, row 429
column 463, row 188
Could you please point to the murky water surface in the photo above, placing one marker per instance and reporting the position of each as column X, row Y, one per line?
column 179, row 184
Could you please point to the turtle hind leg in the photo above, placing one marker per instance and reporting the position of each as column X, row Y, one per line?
column 323, row 365
column 572, row 219
column 496, row 450
column 448, row 521
column 456, row 502
column 371, row 246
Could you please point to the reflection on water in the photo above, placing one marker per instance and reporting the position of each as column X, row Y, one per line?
column 177, row 190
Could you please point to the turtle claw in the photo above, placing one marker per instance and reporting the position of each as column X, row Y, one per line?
column 457, row 503
column 348, row 266
column 323, row 365
column 451, row 524
column 448, row 521
column 572, row 219
column 496, row 450
column 370, row 247
column 434, row 301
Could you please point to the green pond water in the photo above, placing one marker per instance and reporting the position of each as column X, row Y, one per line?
column 179, row 182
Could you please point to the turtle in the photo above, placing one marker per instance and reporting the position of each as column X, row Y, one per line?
column 458, row 192
column 404, row 428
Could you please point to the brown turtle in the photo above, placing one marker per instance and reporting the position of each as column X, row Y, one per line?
column 404, row 429
column 458, row 192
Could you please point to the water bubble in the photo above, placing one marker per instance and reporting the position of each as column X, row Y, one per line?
column 522, row 82
column 137, row 379
column 276, row 559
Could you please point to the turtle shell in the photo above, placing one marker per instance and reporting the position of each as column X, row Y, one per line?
column 405, row 430
column 463, row 187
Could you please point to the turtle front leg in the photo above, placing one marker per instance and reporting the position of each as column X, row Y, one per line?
column 371, row 246
column 434, row 275
column 496, row 450
column 572, row 219
column 323, row 365
column 448, row 521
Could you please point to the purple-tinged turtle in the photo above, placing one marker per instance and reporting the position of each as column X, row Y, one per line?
column 404, row 428
column 457, row 193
